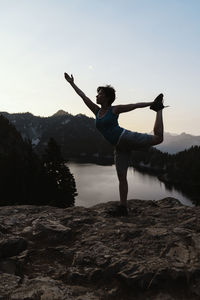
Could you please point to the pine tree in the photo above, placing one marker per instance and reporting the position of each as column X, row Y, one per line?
column 61, row 183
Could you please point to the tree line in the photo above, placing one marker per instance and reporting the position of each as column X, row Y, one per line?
column 181, row 170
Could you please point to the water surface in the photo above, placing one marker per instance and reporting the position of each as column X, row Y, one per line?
column 96, row 184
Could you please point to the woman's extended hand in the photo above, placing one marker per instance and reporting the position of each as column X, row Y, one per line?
column 70, row 79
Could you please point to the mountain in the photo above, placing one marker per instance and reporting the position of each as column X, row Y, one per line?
column 60, row 113
column 174, row 143
column 77, row 135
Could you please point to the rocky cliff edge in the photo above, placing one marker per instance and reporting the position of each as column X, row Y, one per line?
column 47, row 253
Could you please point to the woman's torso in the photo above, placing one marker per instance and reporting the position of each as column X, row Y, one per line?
column 108, row 125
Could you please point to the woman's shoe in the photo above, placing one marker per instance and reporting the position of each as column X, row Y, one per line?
column 157, row 103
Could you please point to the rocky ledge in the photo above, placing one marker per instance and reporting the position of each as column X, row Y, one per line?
column 80, row 253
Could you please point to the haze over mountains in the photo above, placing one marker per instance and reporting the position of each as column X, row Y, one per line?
column 78, row 136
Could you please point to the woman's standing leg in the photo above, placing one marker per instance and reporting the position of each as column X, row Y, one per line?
column 122, row 160
column 123, row 187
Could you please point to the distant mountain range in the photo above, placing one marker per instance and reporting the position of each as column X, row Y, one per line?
column 78, row 136
column 174, row 143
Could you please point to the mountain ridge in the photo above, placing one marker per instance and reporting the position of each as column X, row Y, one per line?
column 60, row 112
column 176, row 143
column 79, row 135
column 76, row 135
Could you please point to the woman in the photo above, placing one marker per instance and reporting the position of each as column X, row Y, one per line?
column 123, row 140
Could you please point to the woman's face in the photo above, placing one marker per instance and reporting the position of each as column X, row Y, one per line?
column 101, row 97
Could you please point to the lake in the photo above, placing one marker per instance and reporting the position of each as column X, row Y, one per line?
column 96, row 184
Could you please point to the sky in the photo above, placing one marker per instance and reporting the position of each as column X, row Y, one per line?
column 140, row 47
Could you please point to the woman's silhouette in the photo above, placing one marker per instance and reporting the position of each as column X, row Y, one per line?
column 124, row 141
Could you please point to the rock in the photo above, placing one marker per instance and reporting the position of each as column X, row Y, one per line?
column 8, row 266
column 81, row 253
column 12, row 246
column 40, row 288
column 51, row 231
column 3, row 229
column 8, row 283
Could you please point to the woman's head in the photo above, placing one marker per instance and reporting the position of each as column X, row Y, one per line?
column 105, row 93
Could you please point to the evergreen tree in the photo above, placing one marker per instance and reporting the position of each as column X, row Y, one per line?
column 60, row 181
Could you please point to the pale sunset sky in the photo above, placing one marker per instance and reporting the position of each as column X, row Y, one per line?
column 140, row 47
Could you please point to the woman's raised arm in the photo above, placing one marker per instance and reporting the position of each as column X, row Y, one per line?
column 91, row 105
